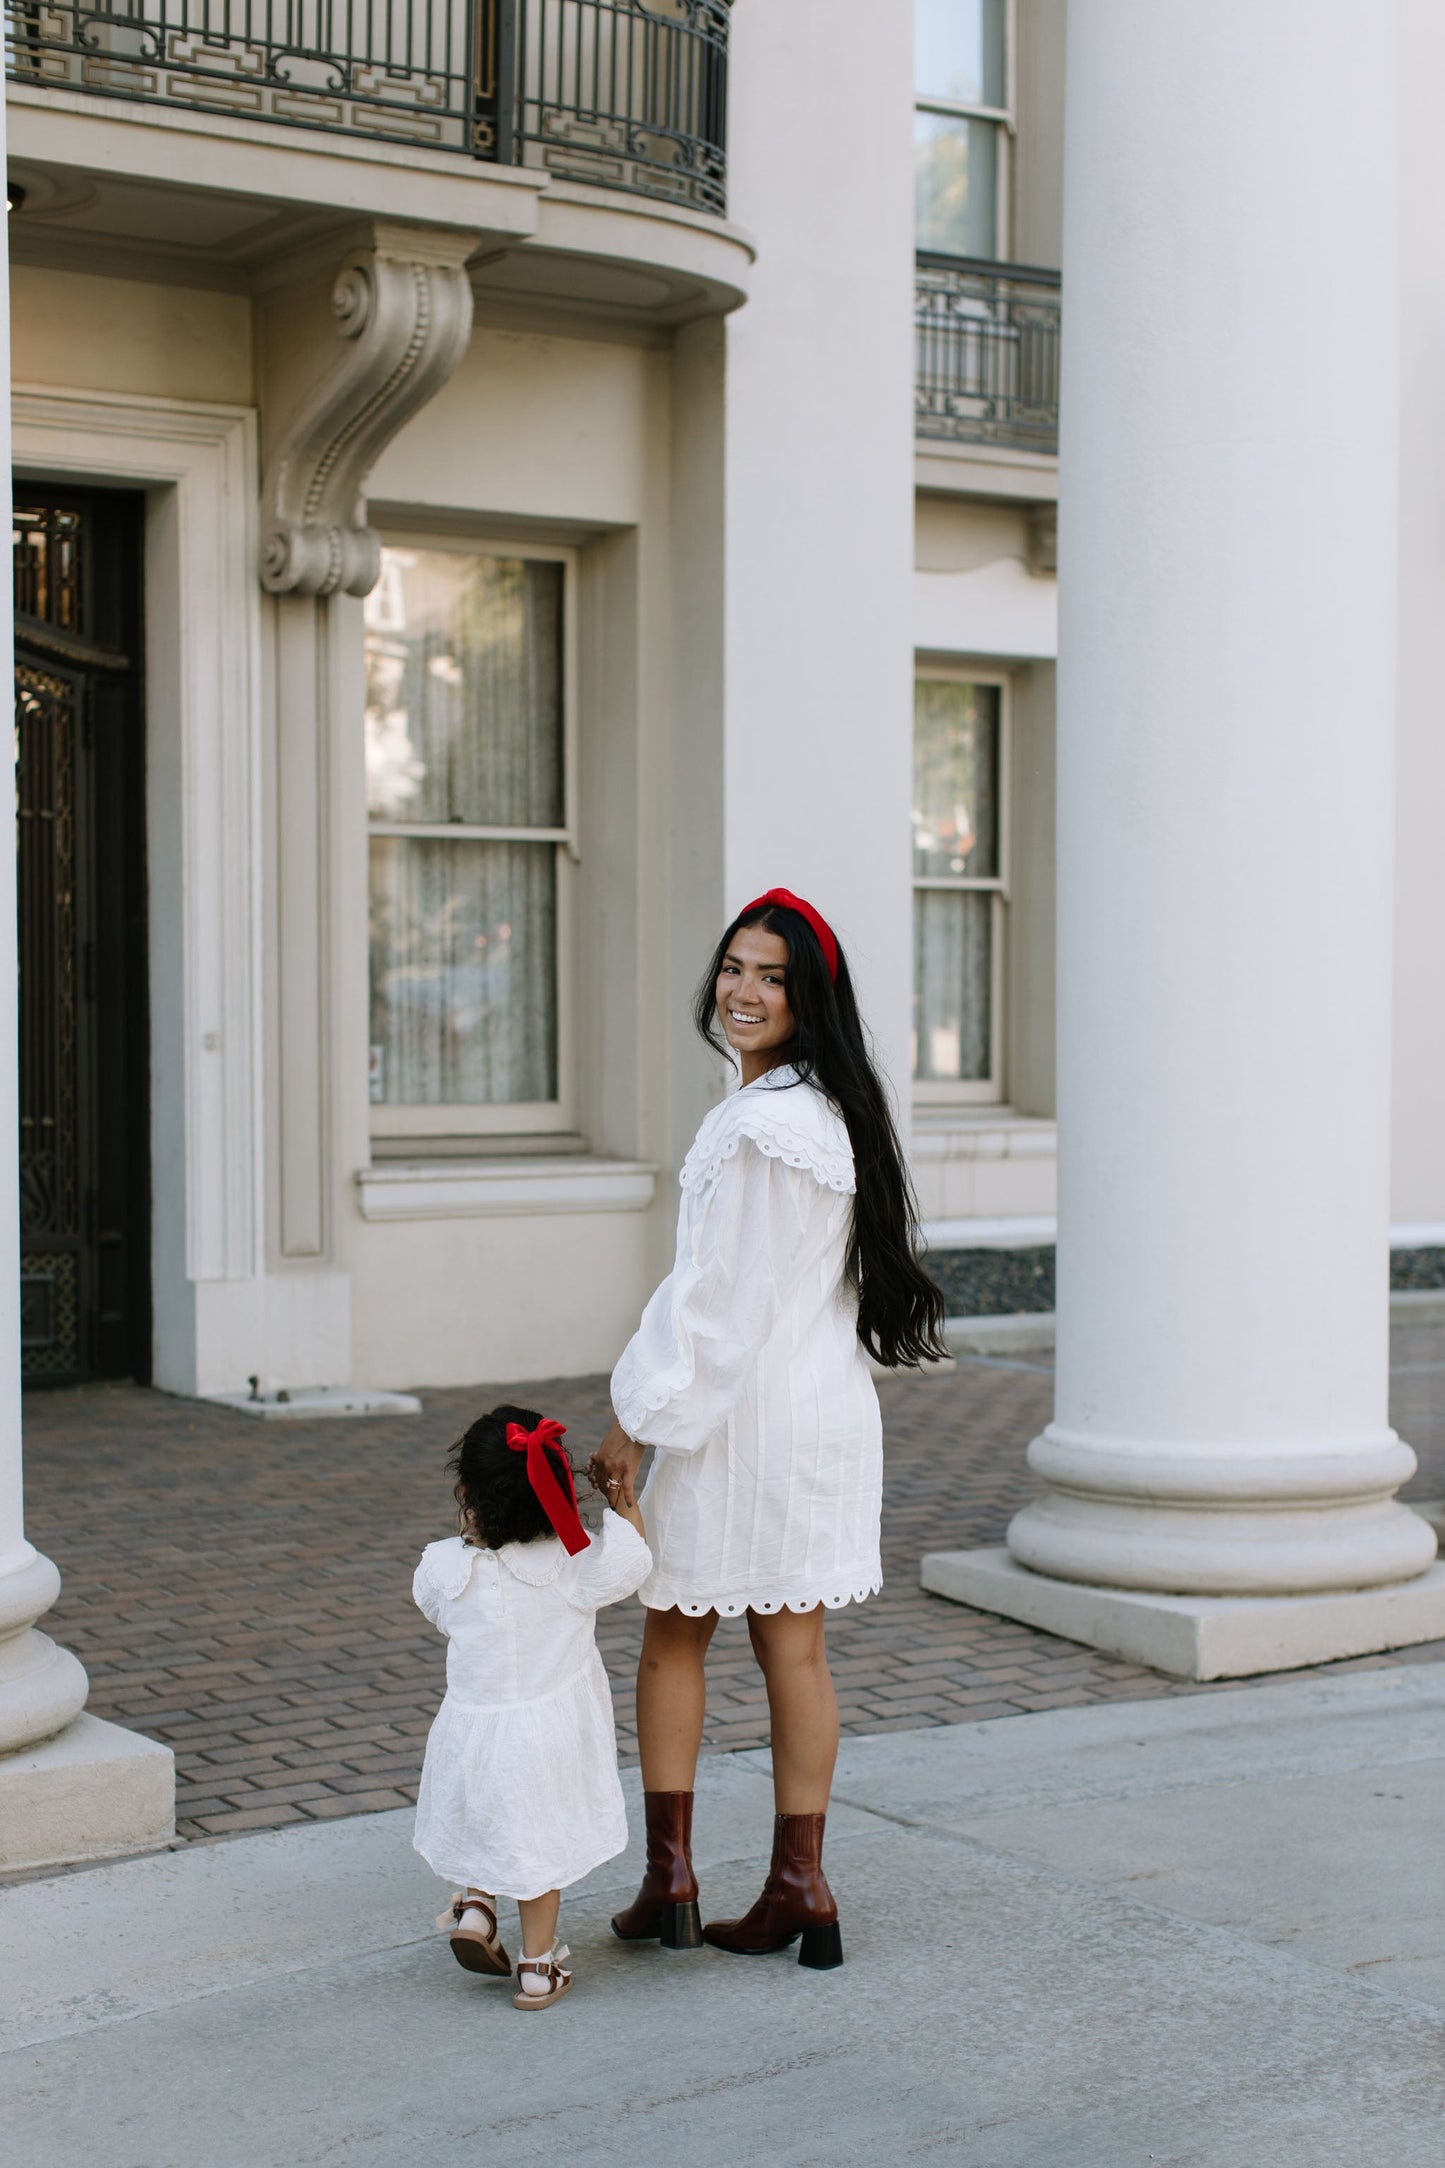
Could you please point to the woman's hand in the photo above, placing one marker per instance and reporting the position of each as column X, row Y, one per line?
column 614, row 1465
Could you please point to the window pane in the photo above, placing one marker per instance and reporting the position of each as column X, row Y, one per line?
column 463, row 972
column 958, row 51
column 955, row 185
column 955, row 779
column 952, row 986
column 464, row 689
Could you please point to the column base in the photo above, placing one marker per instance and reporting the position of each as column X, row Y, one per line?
column 1196, row 1637
column 91, row 1792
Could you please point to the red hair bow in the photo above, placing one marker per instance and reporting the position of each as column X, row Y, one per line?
column 556, row 1496
column 827, row 939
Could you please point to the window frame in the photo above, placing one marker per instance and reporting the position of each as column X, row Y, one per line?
column 539, row 1118
column 933, row 1093
column 1005, row 118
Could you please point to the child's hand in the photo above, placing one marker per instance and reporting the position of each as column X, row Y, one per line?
column 613, row 1467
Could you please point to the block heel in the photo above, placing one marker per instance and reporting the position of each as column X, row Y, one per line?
column 822, row 1947
column 681, row 1927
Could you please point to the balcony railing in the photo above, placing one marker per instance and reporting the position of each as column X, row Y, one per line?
column 987, row 338
column 621, row 93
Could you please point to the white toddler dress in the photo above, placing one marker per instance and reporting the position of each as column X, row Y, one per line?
column 519, row 1789
column 747, row 1374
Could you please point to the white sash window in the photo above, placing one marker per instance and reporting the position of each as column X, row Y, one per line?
column 962, row 126
column 469, row 765
column 960, row 886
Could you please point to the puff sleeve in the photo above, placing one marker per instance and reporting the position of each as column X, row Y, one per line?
column 703, row 1330
column 442, row 1573
column 615, row 1564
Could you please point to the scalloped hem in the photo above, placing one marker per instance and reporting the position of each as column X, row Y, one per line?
column 734, row 1606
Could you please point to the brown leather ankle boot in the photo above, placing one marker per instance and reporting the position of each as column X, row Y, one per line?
column 796, row 1900
column 665, row 1908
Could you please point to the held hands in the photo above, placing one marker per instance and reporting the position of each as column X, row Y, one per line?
column 613, row 1467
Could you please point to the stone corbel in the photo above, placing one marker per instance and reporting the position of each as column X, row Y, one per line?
column 402, row 308
column 1044, row 539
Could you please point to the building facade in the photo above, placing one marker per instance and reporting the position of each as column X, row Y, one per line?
column 490, row 499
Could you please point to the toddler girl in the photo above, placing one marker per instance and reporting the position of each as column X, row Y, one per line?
column 519, row 1791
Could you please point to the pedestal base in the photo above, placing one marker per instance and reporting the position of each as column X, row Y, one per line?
column 92, row 1791
column 1196, row 1637
column 309, row 1402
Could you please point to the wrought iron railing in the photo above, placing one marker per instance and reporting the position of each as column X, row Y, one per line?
column 621, row 93
column 987, row 341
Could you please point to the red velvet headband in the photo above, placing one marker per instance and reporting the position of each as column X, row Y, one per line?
column 827, row 940
column 556, row 1494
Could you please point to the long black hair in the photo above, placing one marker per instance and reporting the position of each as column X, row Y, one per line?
column 900, row 1309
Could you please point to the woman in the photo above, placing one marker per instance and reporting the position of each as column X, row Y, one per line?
column 795, row 1252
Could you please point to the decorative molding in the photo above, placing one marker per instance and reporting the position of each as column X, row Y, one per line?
column 514, row 1188
column 941, row 1136
column 402, row 306
column 203, row 814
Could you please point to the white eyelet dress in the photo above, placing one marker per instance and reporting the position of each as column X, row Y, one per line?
column 519, row 1789
column 746, row 1372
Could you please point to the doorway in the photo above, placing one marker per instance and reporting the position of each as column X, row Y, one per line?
column 84, row 1025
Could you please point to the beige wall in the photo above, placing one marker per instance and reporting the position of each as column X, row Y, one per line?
column 557, row 437
column 536, row 426
column 1039, row 177
column 121, row 335
column 958, row 534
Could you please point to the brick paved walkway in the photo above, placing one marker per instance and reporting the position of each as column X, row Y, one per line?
column 242, row 1589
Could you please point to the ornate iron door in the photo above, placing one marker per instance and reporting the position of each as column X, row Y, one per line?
column 80, row 805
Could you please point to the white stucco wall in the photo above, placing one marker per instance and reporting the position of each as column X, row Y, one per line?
column 1418, row 1159
column 818, row 490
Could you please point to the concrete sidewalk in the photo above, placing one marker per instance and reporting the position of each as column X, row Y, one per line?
column 1206, row 1931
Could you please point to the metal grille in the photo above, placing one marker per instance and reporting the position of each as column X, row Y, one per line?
column 47, row 719
column 80, row 891
column 627, row 96
column 987, row 337
column 618, row 93
column 48, row 567
column 415, row 71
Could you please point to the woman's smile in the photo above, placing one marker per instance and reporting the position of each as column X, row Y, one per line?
column 752, row 1000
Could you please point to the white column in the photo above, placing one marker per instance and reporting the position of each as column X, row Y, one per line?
column 817, row 662
column 70, row 1786
column 1226, row 718
column 41, row 1686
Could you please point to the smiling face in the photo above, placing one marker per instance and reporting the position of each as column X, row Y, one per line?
column 752, row 999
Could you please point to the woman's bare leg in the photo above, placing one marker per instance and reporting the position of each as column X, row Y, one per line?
column 802, row 1706
column 672, row 1698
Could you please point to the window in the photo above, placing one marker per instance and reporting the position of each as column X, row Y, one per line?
column 960, row 892
column 962, row 125
column 469, row 798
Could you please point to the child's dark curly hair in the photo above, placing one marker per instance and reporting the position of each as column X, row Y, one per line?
column 498, row 1504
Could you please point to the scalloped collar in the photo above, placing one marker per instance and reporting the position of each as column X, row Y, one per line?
column 536, row 1563
column 781, row 1078
column 449, row 1562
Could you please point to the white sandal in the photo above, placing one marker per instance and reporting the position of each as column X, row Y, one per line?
column 549, row 1968
column 479, row 1949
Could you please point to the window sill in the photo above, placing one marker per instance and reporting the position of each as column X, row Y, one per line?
column 422, row 1189
column 982, row 1133
column 480, row 1146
